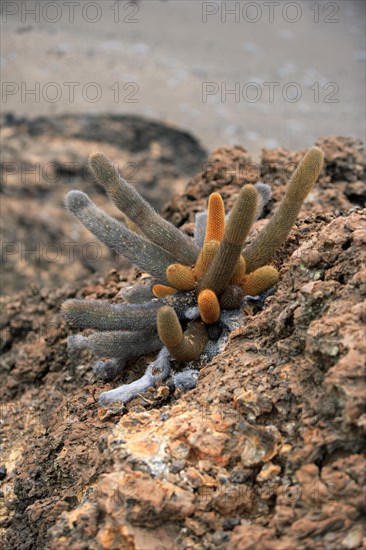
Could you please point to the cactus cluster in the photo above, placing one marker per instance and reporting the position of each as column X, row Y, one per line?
column 199, row 285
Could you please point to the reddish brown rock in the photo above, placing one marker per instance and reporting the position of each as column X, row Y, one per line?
column 267, row 450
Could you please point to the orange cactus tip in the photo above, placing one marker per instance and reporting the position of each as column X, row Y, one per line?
column 181, row 277
column 209, row 306
column 215, row 218
column 161, row 291
column 260, row 280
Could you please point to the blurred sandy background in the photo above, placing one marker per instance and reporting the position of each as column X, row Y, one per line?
column 153, row 58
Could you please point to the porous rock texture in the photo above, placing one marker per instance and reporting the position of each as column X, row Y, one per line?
column 266, row 452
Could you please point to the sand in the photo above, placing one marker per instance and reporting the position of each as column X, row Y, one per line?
column 296, row 69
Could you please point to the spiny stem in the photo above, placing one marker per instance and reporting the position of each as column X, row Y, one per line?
column 209, row 306
column 215, row 228
column 129, row 201
column 276, row 231
column 237, row 228
column 162, row 291
column 261, row 279
column 183, row 347
column 181, row 277
column 135, row 248
column 204, row 260
column 101, row 315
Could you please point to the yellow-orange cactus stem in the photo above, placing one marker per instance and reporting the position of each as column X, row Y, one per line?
column 209, row 306
column 239, row 272
column 215, row 218
column 205, row 258
column 169, row 328
column 260, row 280
column 261, row 251
column 222, row 268
column 181, row 277
column 161, row 291
column 186, row 346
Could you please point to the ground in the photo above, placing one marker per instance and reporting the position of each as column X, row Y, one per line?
column 266, row 452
